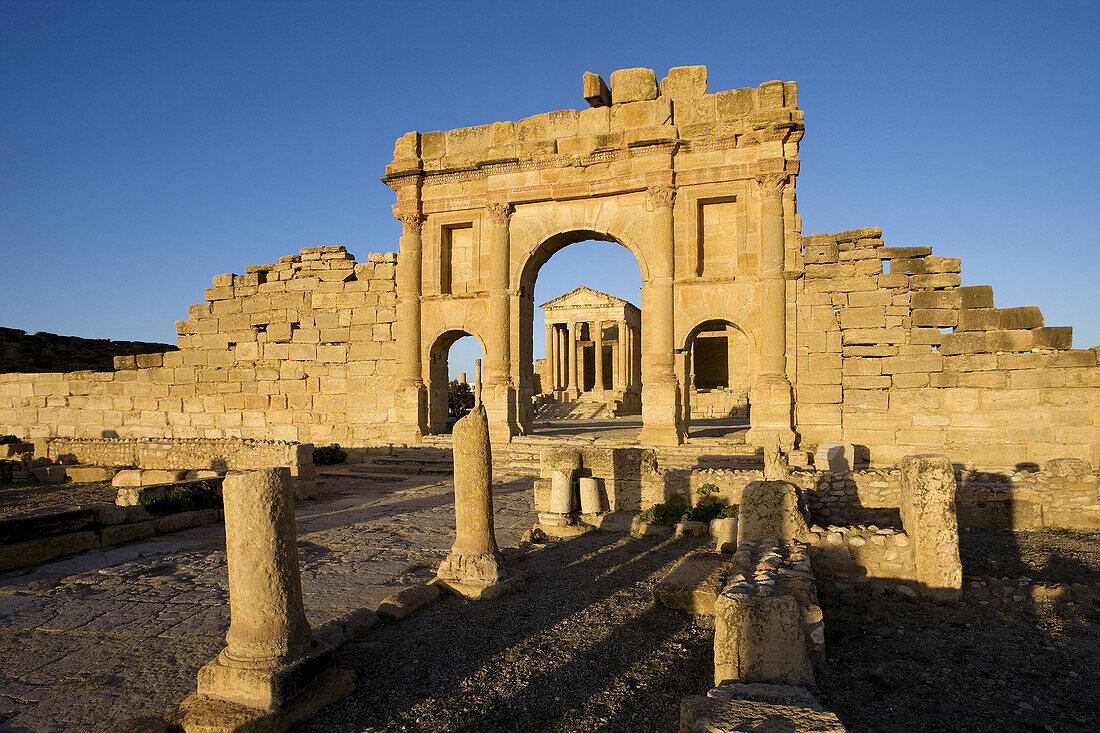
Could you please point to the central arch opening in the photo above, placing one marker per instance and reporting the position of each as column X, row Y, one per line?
column 582, row 353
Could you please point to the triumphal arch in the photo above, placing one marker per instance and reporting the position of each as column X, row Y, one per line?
column 698, row 186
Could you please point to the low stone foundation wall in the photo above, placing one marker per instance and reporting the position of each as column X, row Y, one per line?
column 219, row 454
column 861, row 557
column 1064, row 494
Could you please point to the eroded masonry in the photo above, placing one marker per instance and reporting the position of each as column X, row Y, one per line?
column 837, row 338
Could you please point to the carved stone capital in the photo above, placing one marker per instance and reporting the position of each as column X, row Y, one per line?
column 411, row 222
column 771, row 184
column 661, row 196
column 500, row 212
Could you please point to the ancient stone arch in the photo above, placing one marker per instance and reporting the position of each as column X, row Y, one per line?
column 698, row 186
column 436, row 377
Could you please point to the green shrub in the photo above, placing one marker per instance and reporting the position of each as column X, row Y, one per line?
column 327, row 455
column 9, row 439
column 668, row 513
column 187, row 498
column 674, row 511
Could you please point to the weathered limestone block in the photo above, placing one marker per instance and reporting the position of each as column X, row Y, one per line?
column 734, row 707
column 475, row 567
column 694, row 584
column 768, row 626
column 771, row 509
column 633, row 85
column 596, row 92
column 272, row 673
column 928, row 516
column 1070, row 468
column 685, row 82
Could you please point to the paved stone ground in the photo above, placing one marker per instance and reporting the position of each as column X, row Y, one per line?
column 102, row 637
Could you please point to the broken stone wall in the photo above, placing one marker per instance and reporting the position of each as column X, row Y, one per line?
column 47, row 352
column 298, row 351
column 893, row 353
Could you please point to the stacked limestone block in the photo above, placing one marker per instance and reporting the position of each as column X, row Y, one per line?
column 895, row 354
column 299, row 351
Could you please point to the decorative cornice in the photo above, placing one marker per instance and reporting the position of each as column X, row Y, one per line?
column 661, row 196
column 500, row 213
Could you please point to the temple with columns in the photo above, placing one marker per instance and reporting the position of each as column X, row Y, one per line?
column 592, row 350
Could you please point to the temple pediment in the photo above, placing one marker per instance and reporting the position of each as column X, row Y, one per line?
column 586, row 297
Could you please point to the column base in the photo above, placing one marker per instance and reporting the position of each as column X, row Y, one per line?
column 770, row 411
column 500, row 407
column 235, row 700
column 478, row 577
column 661, row 420
column 410, row 412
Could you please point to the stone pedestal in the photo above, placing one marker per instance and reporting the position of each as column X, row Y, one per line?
column 271, row 674
column 770, row 412
column 410, row 412
column 661, row 424
column 475, row 567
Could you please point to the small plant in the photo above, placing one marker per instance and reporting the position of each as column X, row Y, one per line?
column 668, row 513
column 327, row 455
column 9, row 439
column 187, row 498
column 707, row 512
column 706, row 490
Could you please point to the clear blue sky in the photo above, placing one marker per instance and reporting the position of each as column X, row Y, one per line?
column 147, row 146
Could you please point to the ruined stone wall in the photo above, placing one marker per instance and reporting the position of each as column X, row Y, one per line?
column 47, row 352
column 893, row 353
column 299, row 351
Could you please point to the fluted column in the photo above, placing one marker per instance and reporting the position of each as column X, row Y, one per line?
column 771, row 391
column 411, row 406
column 500, row 392
column 661, row 424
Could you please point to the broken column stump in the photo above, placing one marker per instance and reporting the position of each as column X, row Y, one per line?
column 475, row 567
column 929, row 518
column 272, row 673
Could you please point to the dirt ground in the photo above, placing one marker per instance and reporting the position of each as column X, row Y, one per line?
column 1007, row 657
column 584, row 648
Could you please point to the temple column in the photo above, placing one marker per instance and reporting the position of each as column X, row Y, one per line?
column 500, row 392
column 770, row 397
column 597, row 351
column 574, row 383
column 553, row 358
column 622, row 359
column 411, row 403
column 661, row 423
column 549, row 370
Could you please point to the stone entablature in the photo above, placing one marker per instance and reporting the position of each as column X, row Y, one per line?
column 580, row 325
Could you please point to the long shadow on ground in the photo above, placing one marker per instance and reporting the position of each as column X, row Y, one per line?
column 581, row 647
